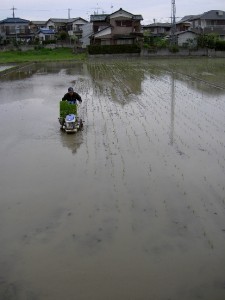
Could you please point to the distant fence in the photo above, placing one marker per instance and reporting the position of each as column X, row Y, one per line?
column 182, row 53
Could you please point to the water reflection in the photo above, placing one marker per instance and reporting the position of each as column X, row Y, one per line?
column 126, row 202
column 119, row 77
column 71, row 141
column 120, row 80
column 27, row 71
column 197, row 84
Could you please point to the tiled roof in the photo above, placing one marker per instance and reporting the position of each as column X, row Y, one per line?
column 65, row 21
column 38, row 22
column 94, row 18
column 102, row 17
column 46, row 31
column 185, row 32
column 14, row 20
column 57, row 20
column 213, row 15
column 137, row 17
column 158, row 25
column 209, row 15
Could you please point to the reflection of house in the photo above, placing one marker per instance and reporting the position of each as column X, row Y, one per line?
column 15, row 28
column 158, row 29
column 120, row 27
column 46, row 34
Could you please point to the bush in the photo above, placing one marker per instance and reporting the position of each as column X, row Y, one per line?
column 174, row 49
column 38, row 47
column 47, row 42
column 113, row 49
column 220, row 45
column 208, row 40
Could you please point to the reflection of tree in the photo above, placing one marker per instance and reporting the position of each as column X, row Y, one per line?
column 19, row 73
column 72, row 141
column 27, row 71
column 204, row 86
column 72, row 68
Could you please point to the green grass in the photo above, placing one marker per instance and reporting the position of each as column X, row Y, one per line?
column 58, row 54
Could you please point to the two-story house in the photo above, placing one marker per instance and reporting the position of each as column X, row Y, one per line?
column 212, row 21
column 45, row 34
column 35, row 26
column 15, row 28
column 72, row 26
column 120, row 27
column 57, row 24
column 157, row 29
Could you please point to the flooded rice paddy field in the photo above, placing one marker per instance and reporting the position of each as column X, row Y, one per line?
column 130, row 208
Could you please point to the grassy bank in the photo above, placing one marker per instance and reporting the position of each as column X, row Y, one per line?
column 58, row 54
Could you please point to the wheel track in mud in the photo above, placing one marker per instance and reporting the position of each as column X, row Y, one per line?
column 190, row 123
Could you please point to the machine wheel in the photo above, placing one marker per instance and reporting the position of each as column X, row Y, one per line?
column 81, row 123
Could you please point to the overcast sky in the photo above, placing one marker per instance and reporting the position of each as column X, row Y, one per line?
column 160, row 10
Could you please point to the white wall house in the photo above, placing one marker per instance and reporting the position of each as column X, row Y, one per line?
column 75, row 26
column 87, row 31
column 187, row 38
column 46, row 34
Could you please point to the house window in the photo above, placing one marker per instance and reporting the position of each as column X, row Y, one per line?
column 22, row 29
column 210, row 23
column 105, row 42
column 124, row 42
column 124, row 23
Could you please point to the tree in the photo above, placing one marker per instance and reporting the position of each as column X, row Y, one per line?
column 62, row 35
column 207, row 40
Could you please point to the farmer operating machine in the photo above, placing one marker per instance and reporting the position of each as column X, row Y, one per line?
column 68, row 117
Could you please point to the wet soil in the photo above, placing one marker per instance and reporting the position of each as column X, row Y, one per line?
column 132, row 206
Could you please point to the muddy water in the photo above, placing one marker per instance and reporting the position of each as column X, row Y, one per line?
column 133, row 206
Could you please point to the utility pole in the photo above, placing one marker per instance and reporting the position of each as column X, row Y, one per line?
column 69, row 9
column 173, row 23
column 13, row 9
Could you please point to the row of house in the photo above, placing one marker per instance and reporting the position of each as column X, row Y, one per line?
column 21, row 29
column 190, row 26
column 119, row 27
